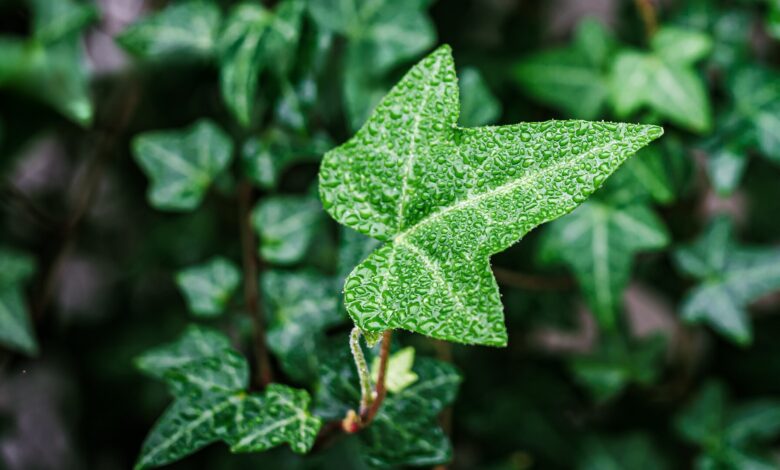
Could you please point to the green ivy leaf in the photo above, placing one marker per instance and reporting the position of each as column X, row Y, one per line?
column 209, row 287
column 194, row 344
column 16, row 331
column 56, row 19
column 664, row 79
column 252, row 39
column 183, row 28
column 731, row 277
column 635, row 451
column 280, row 415
column 285, row 225
column 399, row 374
column 598, row 242
column 301, row 305
column 478, row 106
column 574, row 78
column 405, row 430
column 208, row 380
column 182, row 164
column 616, row 365
column 265, row 158
column 445, row 198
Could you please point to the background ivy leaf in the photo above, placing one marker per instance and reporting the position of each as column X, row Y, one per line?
column 181, row 164
column 285, row 225
column 636, row 451
column 478, row 106
column 598, row 242
column 616, row 364
column 301, row 305
column 573, row 78
column 189, row 28
column 446, row 198
column 731, row 277
column 16, row 331
column 56, row 19
column 265, row 158
column 208, row 287
column 664, row 79
column 194, row 344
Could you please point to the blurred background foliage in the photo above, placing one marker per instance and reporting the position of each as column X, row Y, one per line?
column 136, row 134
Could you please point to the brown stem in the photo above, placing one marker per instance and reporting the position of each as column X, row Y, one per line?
column 649, row 18
column 381, row 390
column 530, row 282
column 263, row 372
column 89, row 188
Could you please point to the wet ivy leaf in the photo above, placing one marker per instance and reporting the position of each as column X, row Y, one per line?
column 182, row 164
column 664, row 79
column 445, row 198
column 208, row 380
column 478, row 106
column 254, row 38
column 194, row 344
column 405, row 431
column 573, row 78
column 301, row 305
column 286, row 225
column 616, row 364
column 16, row 331
column 598, row 242
column 399, row 374
column 209, row 287
column 280, row 415
column 189, row 28
column 731, row 277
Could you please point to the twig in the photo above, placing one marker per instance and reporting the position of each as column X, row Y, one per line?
column 89, row 189
column 649, row 18
column 530, row 282
column 370, row 402
column 263, row 372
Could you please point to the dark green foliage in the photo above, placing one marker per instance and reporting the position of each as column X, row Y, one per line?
column 175, row 291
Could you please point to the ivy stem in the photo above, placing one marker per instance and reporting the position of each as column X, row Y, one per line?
column 370, row 400
column 263, row 373
column 366, row 393
column 649, row 18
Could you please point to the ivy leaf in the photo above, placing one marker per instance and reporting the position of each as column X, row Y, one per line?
column 188, row 28
column 208, row 380
column 181, row 164
column 573, row 78
column 399, row 373
column 643, row 178
column 731, row 277
column 286, row 226
column 478, row 106
column 56, row 19
column 598, row 242
column 194, row 344
column 16, row 330
column 616, row 365
column 208, row 287
column 405, row 430
column 445, row 198
column 280, row 415
column 301, row 305
column 664, row 79
column 265, row 158
column 252, row 39
column 635, row 451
